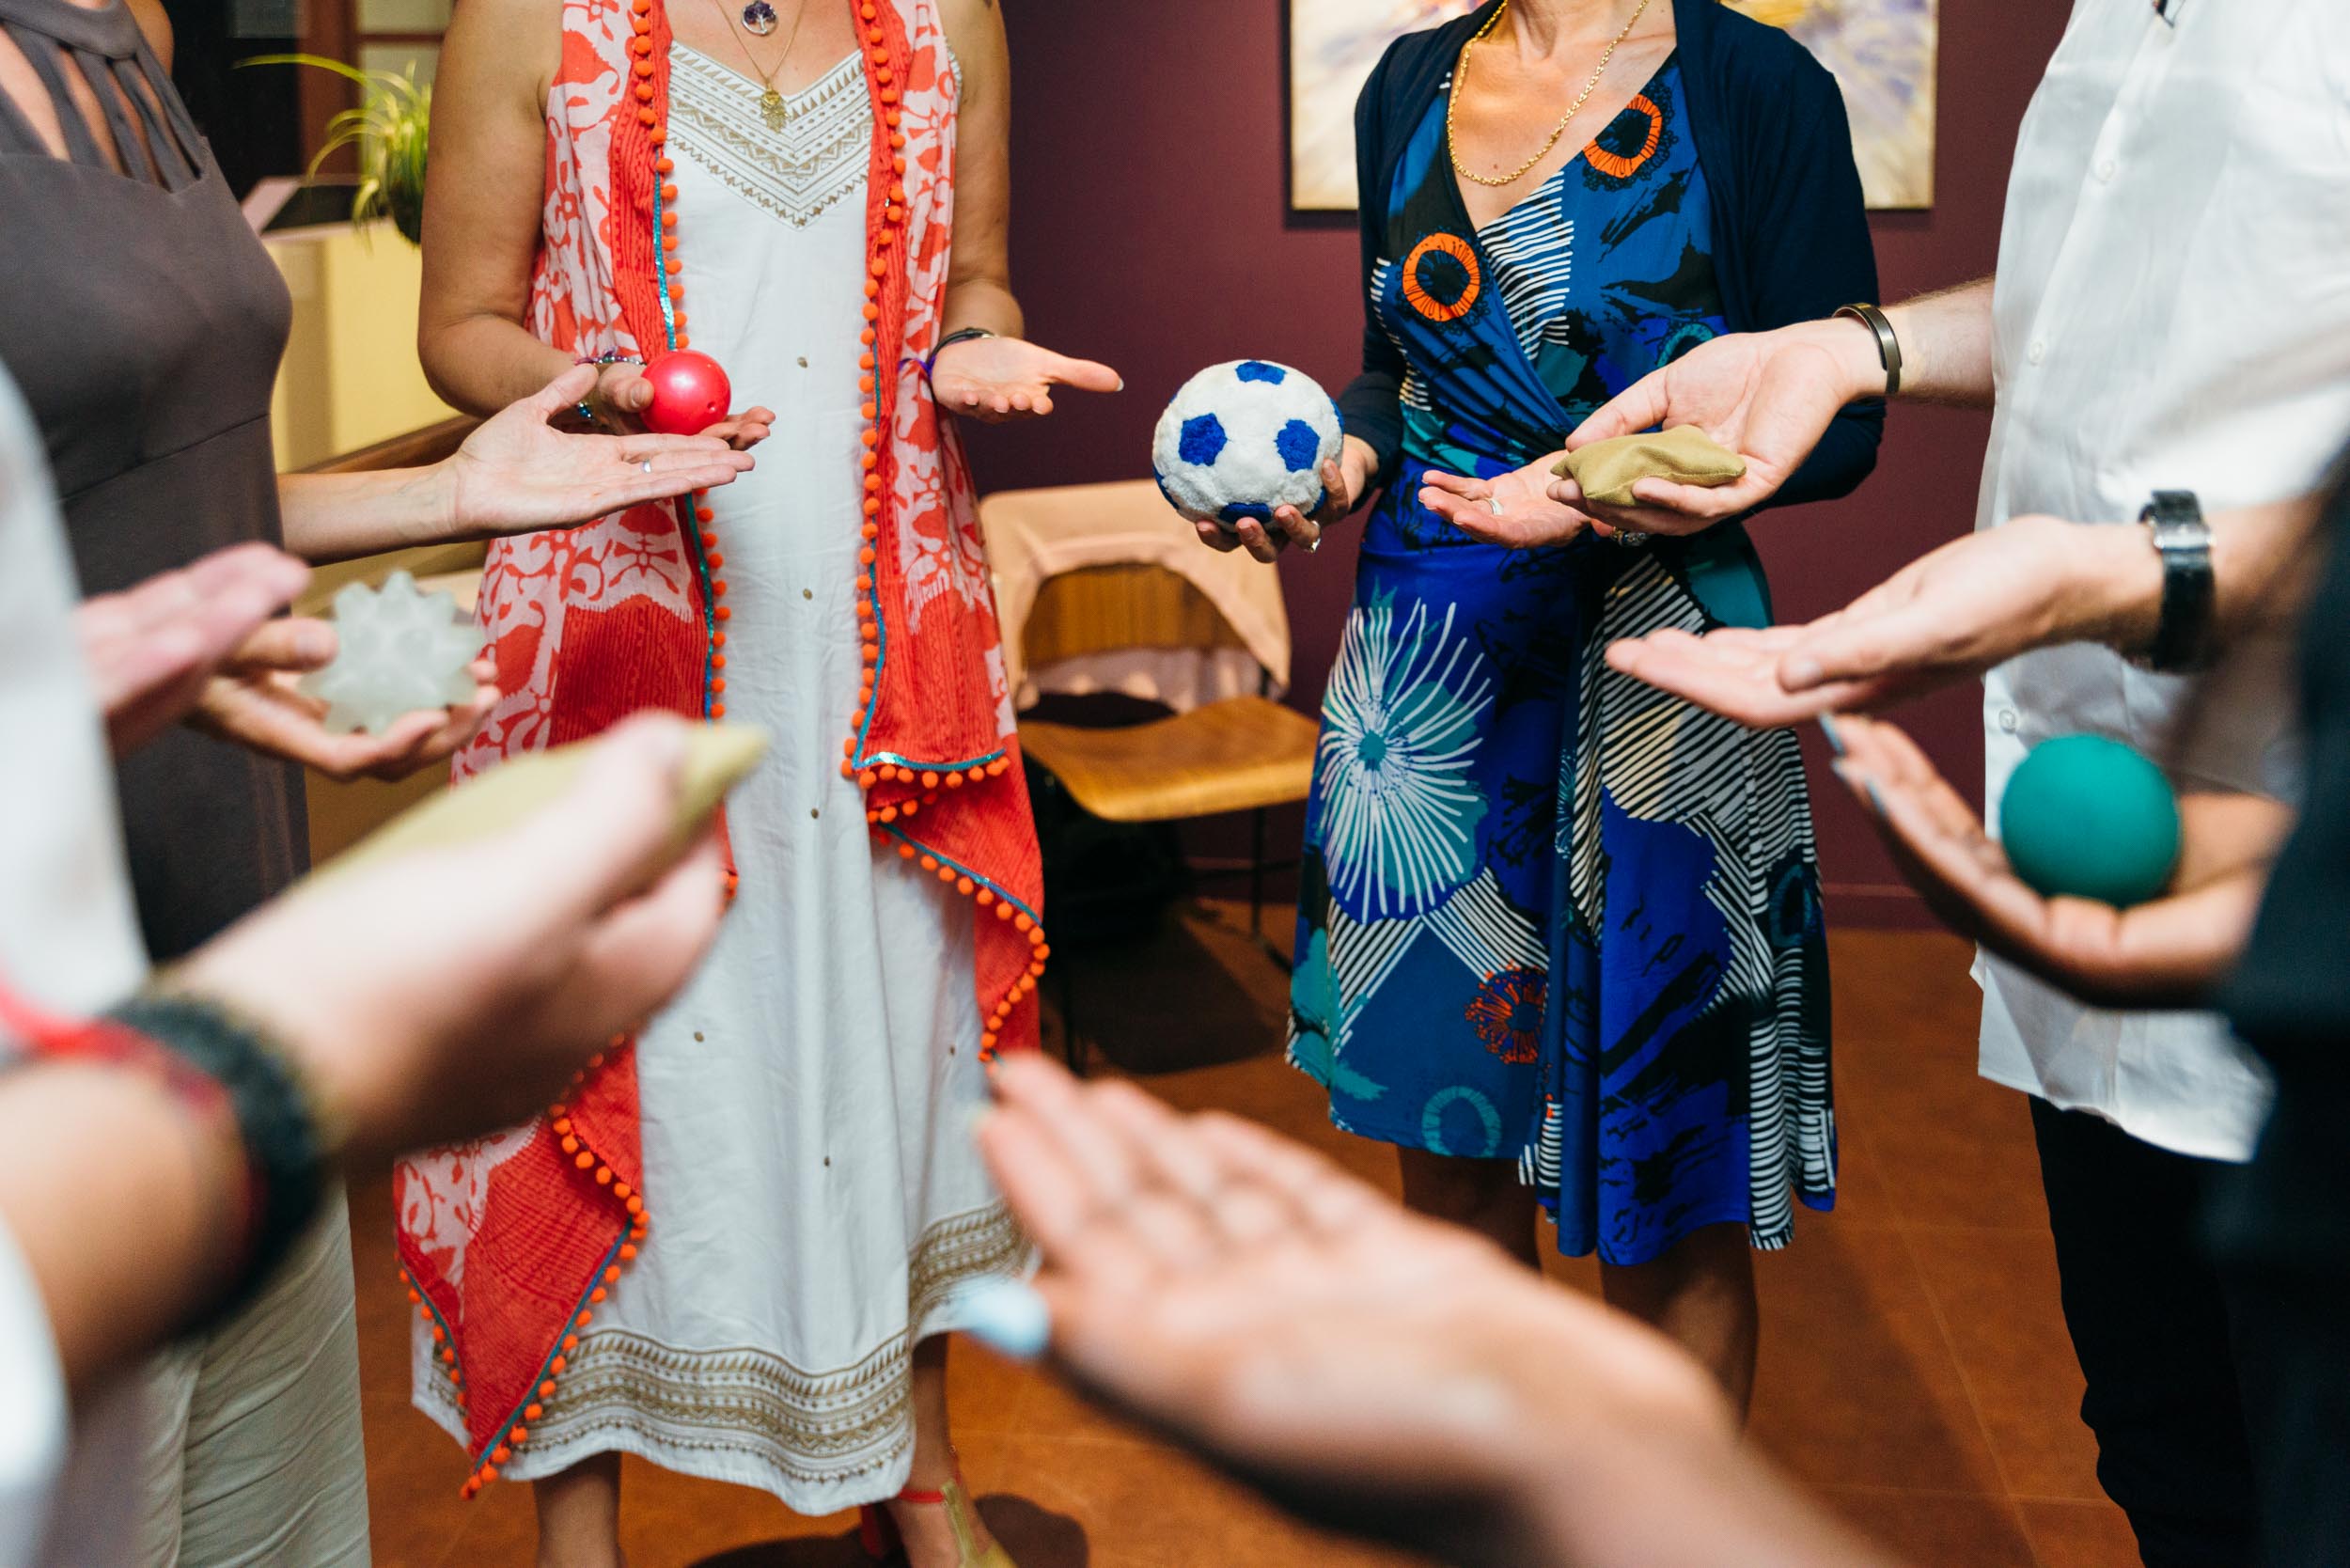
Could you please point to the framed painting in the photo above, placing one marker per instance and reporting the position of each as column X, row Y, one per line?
column 1882, row 52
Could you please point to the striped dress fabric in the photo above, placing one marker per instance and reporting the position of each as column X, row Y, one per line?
column 1549, row 915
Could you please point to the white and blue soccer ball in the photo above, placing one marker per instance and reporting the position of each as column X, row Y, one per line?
column 1244, row 438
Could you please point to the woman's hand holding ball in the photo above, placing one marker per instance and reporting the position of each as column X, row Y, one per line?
column 1344, row 480
column 623, row 393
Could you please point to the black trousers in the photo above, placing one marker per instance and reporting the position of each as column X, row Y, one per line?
column 2172, row 1347
column 2301, row 1444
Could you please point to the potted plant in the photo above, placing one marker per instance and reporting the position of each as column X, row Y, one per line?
column 390, row 126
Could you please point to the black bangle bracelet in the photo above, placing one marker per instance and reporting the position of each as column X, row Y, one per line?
column 286, row 1146
column 961, row 334
column 1889, row 346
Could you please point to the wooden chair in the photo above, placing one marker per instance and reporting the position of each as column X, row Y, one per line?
column 1242, row 753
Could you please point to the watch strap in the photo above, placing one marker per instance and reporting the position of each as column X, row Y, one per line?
column 2182, row 638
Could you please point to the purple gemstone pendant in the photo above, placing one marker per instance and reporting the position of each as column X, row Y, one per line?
column 759, row 17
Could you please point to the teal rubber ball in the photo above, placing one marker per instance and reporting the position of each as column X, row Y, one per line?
column 2088, row 817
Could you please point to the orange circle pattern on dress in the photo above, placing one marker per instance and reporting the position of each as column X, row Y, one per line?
column 1416, row 292
column 1619, row 166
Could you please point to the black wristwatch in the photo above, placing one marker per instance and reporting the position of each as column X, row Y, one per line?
column 2183, row 641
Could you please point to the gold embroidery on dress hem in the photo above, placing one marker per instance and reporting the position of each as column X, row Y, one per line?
column 808, row 1427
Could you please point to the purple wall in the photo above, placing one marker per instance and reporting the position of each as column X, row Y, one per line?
column 1150, row 230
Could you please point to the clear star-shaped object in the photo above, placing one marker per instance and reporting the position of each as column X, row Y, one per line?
column 401, row 651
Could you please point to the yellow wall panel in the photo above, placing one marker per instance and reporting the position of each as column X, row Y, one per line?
column 350, row 377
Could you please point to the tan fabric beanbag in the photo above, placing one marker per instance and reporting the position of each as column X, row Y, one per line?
column 1606, row 470
column 717, row 756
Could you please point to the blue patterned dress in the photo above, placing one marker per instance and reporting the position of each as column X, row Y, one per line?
column 1548, row 915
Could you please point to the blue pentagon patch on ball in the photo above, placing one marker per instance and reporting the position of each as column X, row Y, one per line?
column 1257, row 369
column 1300, row 445
column 1203, row 439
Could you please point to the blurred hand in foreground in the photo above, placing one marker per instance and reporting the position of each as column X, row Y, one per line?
column 1377, row 1371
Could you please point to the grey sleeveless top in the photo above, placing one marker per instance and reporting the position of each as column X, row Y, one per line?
column 143, row 322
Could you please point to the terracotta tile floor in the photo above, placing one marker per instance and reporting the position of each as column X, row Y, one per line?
column 1915, row 1371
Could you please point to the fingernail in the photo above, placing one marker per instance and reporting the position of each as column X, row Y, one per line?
column 1835, row 737
column 1800, row 669
column 1005, row 1315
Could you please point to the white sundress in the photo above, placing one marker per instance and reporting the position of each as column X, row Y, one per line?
column 807, row 1102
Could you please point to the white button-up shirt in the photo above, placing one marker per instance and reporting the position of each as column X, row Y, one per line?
column 2172, row 312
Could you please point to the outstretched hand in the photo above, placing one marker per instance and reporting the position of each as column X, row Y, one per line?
column 2168, row 953
column 1368, row 1367
column 1946, row 617
column 1517, row 509
column 999, row 379
column 256, row 702
column 518, row 473
column 151, row 648
column 1767, row 396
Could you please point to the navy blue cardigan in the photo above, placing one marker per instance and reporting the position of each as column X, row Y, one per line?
column 1790, row 228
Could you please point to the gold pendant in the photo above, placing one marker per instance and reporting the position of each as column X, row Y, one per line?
column 771, row 107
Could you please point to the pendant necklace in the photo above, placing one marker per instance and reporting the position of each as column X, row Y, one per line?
column 759, row 18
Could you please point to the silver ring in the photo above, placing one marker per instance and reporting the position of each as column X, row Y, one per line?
column 1313, row 544
column 645, row 467
column 1494, row 502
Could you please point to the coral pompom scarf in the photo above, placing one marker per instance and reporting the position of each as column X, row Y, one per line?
column 510, row 1245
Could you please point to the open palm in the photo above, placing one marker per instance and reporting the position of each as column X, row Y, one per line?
column 1947, row 616
column 1242, row 1292
column 518, row 473
column 1513, row 509
column 1767, row 396
column 1002, row 379
column 255, row 700
column 2166, row 953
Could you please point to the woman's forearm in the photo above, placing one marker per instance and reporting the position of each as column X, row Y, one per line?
column 985, row 303
column 479, row 365
column 339, row 517
column 124, row 1204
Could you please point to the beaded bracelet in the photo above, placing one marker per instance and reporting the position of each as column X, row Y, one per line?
column 961, row 334
column 288, row 1146
column 613, row 357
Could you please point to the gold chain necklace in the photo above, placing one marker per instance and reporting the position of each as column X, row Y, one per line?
column 771, row 106
column 1460, row 81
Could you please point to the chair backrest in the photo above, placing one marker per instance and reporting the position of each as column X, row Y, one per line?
column 1108, row 576
column 1105, row 609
